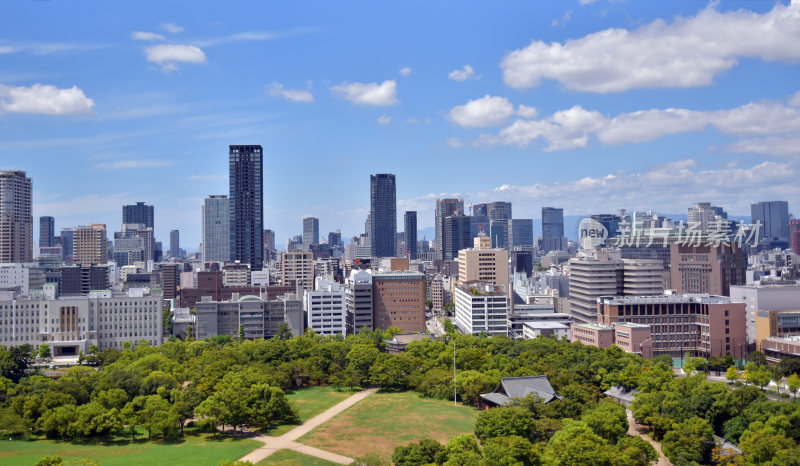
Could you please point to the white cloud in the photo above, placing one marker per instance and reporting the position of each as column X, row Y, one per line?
column 586, row 2
column 45, row 99
column 486, row 111
column 172, row 28
column 142, row 35
column 382, row 94
column 412, row 121
column 405, row 71
column 794, row 101
column 295, row 95
column 253, row 36
column 784, row 146
column 46, row 48
column 569, row 129
column 123, row 164
column 384, row 120
column 454, row 142
column 463, row 74
column 562, row 20
column 168, row 56
column 688, row 52
column 527, row 112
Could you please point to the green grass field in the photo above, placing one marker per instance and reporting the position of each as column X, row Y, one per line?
column 293, row 458
column 385, row 420
column 200, row 449
column 310, row 402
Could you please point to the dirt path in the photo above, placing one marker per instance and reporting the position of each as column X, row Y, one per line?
column 637, row 429
column 288, row 440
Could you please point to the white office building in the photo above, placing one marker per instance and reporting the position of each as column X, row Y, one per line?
column 481, row 307
column 326, row 308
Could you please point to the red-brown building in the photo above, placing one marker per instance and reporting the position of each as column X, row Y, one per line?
column 209, row 283
column 399, row 300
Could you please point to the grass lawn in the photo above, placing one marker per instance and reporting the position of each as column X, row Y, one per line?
column 383, row 421
column 192, row 449
column 310, row 402
column 292, row 458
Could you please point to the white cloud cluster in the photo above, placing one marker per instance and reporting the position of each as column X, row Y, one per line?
column 405, row 71
column 479, row 113
column 384, row 120
column 295, row 95
column 143, row 35
column 463, row 74
column 124, row 164
column 168, row 56
column 45, row 99
column 571, row 128
column 383, row 94
column 688, row 52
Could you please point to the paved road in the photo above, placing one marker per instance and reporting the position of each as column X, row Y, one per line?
column 288, row 440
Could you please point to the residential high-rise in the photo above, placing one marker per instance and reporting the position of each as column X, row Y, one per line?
column 794, row 236
column 216, row 228
column 383, row 215
column 553, row 229
column 175, row 243
column 410, row 230
column 774, row 218
column 47, row 232
column 483, row 263
column 138, row 213
column 298, row 266
column 90, row 245
column 310, row 230
column 520, row 233
column 16, row 219
column 707, row 268
column 246, row 179
column 445, row 208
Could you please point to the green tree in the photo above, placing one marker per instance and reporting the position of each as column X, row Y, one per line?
column 761, row 446
column 44, row 351
column 284, row 332
column 732, row 374
column 576, row 443
column 93, row 349
column 15, row 361
column 641, row 446
column 12, row 424
column 504, row 422
column 241, row 332
column 690, row 440
column 449, row 309
column 56, row 422
column 758, row 358
column 50, row 461
column 419, row 453
column 793, row 381
column 508, row 451
column 608, row 420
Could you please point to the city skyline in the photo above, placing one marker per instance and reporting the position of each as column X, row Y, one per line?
column 154, row 122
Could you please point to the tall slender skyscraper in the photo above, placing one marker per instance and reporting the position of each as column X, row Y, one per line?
column 445, row 208
column 175, row 243
column 383, row 215
column 216, row 244
column 16, row 219
column 138, row 213
column 410, row 224
column 246, row 178
column 47, row 232
column 552, row 229
column 310, row 230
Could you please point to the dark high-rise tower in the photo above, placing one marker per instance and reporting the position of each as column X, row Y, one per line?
column 383, row 215
column 410, row 224
column 16, row 220
column 175, row 243
column 310, row 230
column 47, row 232
column 774, row 218
column 138, row 213
column 246, row 178
column 552, row 229
column 445, row 208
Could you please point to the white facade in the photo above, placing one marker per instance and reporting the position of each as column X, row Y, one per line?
column 259, row 278
column 72, row 324
column 764, row 298
column 216, row 229
column 236, row 275
column 557, row 330
column 15, row 275
column 326, row 308
column 359, row 301
column 482, row 310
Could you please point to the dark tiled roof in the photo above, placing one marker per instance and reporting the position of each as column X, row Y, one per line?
column 521, row 387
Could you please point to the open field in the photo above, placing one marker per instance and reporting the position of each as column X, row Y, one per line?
column 193, row 449
column 386, row 420
column 293, row 458
column 310, row 402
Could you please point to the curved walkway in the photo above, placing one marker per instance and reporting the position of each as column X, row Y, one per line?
column 635, row 429
column 288, row 440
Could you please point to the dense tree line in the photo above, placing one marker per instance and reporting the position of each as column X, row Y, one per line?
column 229, row 383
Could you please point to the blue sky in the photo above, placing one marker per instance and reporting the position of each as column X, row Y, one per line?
column 591, row 106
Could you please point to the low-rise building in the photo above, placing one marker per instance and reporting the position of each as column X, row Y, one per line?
column 557, row 330
column 326, row 308
column 256, row 316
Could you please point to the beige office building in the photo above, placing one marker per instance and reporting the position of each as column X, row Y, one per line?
column 299, row 266
column 16, row 220
column 90, row 245
column 483, row 264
